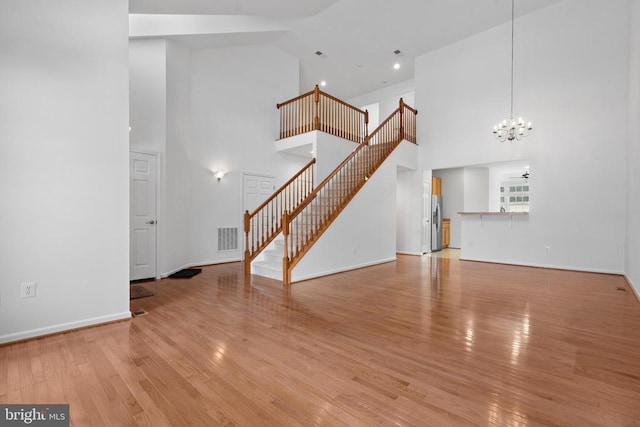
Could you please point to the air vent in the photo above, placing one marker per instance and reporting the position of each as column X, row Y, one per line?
column 227, row 239
column 397, row 52
column 320, row 54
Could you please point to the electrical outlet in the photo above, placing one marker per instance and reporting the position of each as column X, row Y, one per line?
column 28, row 290
column 547, row 249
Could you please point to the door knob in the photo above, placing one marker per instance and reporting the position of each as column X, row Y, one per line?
column 151, row 222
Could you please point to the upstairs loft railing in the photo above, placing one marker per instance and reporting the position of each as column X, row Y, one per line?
column 263, row 224
column 317, row 110
column 409, row 115
column 303, row 226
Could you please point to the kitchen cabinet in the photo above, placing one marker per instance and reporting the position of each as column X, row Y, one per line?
column 436, row 186
column 446, row 232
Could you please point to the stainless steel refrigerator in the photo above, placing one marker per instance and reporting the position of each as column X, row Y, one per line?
column 436, row 223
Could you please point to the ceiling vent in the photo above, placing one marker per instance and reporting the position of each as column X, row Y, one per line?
column 397, row 52
column 320, row 54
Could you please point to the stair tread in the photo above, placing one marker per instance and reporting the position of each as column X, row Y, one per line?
column 267, row 266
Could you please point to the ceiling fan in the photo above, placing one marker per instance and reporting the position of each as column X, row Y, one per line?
column 524, row 176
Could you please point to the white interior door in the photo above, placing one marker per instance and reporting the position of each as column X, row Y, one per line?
column 256, row 188
column 143, row 219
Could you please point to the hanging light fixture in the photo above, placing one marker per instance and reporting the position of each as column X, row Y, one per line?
column 512, row 129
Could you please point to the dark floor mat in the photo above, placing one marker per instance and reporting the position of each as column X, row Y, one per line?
column 137, row 291
column 186, row 273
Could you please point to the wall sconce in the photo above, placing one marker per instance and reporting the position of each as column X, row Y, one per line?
column 219, row 175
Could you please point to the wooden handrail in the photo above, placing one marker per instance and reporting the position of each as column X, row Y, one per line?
column 339, row 101
column 265, row 222
column 282, row 104
column 383, row 124
column 413, row 110
column 303, row 226
column 324, row 182
column 283, row 186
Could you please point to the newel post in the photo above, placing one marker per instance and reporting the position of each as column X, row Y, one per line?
column 286, row 274
column 366, row 123
column 247, row 253
column 401, row 108
column 316, row 106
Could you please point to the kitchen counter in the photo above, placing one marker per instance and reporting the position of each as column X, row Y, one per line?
column 494, row 213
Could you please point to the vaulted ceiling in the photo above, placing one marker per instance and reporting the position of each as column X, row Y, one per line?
column 357, row 37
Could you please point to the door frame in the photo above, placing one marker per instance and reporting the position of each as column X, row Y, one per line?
column 159, row 218
column 425, row 230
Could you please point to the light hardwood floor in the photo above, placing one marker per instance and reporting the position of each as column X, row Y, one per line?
column 423, row 341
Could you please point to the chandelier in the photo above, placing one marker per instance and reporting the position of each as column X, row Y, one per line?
column 512, row 129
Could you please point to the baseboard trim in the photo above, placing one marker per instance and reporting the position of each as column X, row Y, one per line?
column 199, row 264
column 210, row 263
column 551, row 267
column 63, row 327
column 175, row 270
column 634, row 290
column 409, row 253
column 296, row 279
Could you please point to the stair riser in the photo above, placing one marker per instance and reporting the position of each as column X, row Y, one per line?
column 267, row 273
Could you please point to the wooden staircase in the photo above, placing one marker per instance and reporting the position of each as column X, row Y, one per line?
column 263, row 224
column 303, row 221
column 303, row 226
column 271, row 265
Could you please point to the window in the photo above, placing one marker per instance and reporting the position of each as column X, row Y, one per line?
column 514, row 197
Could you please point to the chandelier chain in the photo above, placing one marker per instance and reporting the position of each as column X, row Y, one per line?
column 512, row 129
column 512, row 49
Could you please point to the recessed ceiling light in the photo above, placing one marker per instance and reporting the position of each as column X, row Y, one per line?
column 396, row 66
column 323, row 83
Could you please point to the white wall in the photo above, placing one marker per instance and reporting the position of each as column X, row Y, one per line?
column 410, row 227
column 403, row 211
column 219, row 114
column 387, row 97
column 632, row 262
column 63, row 165
column 476, row 189
column 453, row 200
column 160, row 118
column 365, row 231
column 148, row 94
column 178, row 205
column 330, row 152
column 234, row 92
column 408, row 198
column 571, row 80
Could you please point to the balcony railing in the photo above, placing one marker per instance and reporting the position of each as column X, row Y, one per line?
column 317, row 110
